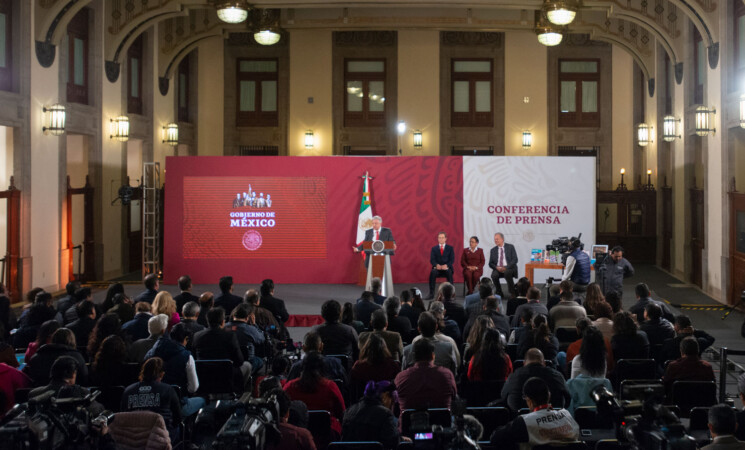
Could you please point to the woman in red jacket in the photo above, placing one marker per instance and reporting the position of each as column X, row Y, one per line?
column 472, row 262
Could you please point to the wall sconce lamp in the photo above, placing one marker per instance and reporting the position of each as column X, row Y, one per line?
column 703, row 121
column 120, row 128
column 742, row 111
column 622, row 185
column 170, row 134
column 418, row 139
column 401, row 127
column 649, row 186
column 309, row 141
column 55, row 119
column 527, row 140
column 643, row 134
column 670, row 128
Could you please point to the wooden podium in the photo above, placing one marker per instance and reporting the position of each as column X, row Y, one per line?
column 379, row 266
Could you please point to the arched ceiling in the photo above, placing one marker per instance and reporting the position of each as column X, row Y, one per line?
column 635, row 26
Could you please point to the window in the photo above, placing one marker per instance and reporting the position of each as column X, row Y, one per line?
column 472, row 93
column 669, row 80
column 183, row 90
column 579, row 89
column 134, row 86
column 739, row 19
column 77, row 82
column 699, row 68
column 364, row 102
column 257, row 93
column 6, row 45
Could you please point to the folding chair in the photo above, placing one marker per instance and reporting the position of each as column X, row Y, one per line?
column 215, row 376
column 319, row 425
column 490, row 418
column 481, row 393
column 635, row 369
column 587, row 417
column 110, row 397
column 511, row 351
column 565, row 335
column 437, row 416
column 344, row 360
column 698, row 427
column 689, row 394
column 627, row 385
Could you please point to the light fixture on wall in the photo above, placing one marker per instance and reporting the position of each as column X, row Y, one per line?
column 401, row 127
column 670, row 128
column 120, row 128
column 742, row 111
column 643, row 134
column 560, row 12
column 622, row 185
column 418, row 139
column 234, row 11
column 309, row 140
column 55, row 119
column 527, row 140
column 704, row 121
column 649, row 186
column 170, row 134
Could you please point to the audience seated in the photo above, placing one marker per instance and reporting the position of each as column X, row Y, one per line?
column 107, row 368
column 372, row 419
column 453, row 310
column 603, row 319
column 580, row 390
column 689, row 367
column 43, row 336
column 164, row 304
column 542, row 425
column 190, row 312
column 151, row 394
column 554, row 295
column 225, row 299
column 425, row 384
column 63, row 376
column 490, row 362
column 593, row 297
column 396, row 323
column 446, row 352
column 152, row 284
column 40, row 311
column 278, row 370
column 643, row 299
column 628, row 342
column 108, row 302
column 379, row 325
column 472, row 302
column 534, row 366
column 526, row 324
column 83, row 326
column 411, row 306
column 11, row 379
column 521, row 291
column 123, row 307
column 273, row 304
column 338, row 339
column 243, row 324
column 722, row 426
column 136, row 328
column 539, row 337
column 574, row 348
column 184, row 285
column 105, row 327
column 683, row 329
column 592, row 358
column 332, row 367
column 365, row 307
column 376, row 287
column 658, row 329
column 375, row 363
column 71, row 313
column 448, row 327
column 265, row 320
column 489, row 308
column 564, row 287
column 476, row 337
column 206, row 302
column 293, row 437
column 566, row 312
column 157, row 326
column 29, row 300
column 63, row 303
column 348, row 318
column 62, row 344
column 298, row 410
column 534, row 303
column 614, row 300
column 217, row 343
column 316, row 391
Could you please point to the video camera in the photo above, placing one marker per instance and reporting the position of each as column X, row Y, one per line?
column 564, row 244
column 252, row 423
column 643, row 423
column 437, row 437
column 51, row 422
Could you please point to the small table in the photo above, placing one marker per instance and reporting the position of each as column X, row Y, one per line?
column 531, row 266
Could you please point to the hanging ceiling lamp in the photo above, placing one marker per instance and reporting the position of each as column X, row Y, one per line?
column 548, row 34
column 560, row 12
column 232, row 12
column 267, row 36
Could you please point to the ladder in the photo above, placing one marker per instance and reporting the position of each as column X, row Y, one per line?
column 151, row 204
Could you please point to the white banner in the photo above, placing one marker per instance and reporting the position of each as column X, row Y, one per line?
column 531, row 200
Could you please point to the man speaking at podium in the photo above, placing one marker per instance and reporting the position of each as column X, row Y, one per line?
column 376, row 233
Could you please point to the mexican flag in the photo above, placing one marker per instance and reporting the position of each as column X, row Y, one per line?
column 364, row 221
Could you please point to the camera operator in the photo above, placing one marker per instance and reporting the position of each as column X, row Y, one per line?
column 577, row 268
column 293, row 438
column 612, row 269
column 64, row 373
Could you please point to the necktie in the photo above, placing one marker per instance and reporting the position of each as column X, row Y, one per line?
column 501, row 256
column 377, row 235
column 442, row 249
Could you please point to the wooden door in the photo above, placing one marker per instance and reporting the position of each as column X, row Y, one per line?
column 736, row 247
column 667, row 227
column 697, row 235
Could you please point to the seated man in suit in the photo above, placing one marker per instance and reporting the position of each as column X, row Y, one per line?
column 441, row 257
column 503, row 263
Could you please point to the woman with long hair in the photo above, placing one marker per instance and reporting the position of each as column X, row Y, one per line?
column 316, row 391
column 476, row 336
column 593, row 296
column 106, row 326
column 347, row 318
column 375, row 363
column 165, row 304
column 628, row 342
column 108, row 303
column 46, row 330
column 62, row 343
column 591, row 360
column 603, row 319
column 490, row 362
column 108, row 363
column 541, row 338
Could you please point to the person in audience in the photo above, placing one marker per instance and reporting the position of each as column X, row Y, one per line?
column 46, row 330
column 472, row 261
column 574, row 348
column 603, row 319
column 108, row 302
column 29, row 300
column 643, row 299
column 683, row 329
column 225, row 299
column 446, row 352
column 86, row 322
column 338, row 339
column 542, row 425
column 425, row 384
column 106, row 326
column 365, row 307
column 189, row 313
column 179, row 367
column 185, row 296
column 614, row 300
column 136, row 328
column 490, row 362
column 157, row 326
column 396, row 323
column 566, row 312
column 375, row 363
column 63, row 378
column 316, row 391
column 407, row 308
column 293, row 437
column 379, row 325
column 490, row 308
column 217, row 343
column 152, row 284
column 564, row 286
column 81, row 295
column 445, row 325
column 722, row 427
column 164, row 304
column 539, row 337
column 11, row 379
column 689, row 367
column 740, row 434
column 534, row 366
column 108, row 364
column 243, row 324
column 628, row 342
column 277, row 372
column 122, row 307
column 554, row 296
column 453, row 310
column 658, row 328
column 417, row 304
column 348, row 318
column 580, row 389
column 593, row 296
column 592, row 358
column 62, row 344
column 476, row 298
column 265, row 320
column 332, row 367
column 206, row 302
column 534, row 303
column 151, row 394
column 526, row 325
column 273, row 304
column 40, row 311
column 520, row 298
column 66, row 301
column 376, row 287
column 372, row 419
column 476, row 337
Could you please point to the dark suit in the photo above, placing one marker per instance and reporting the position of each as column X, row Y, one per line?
column 447, row 257
column 385, row 235
column 510, row 272
column 183, row 298
column 217, row 343
column 227, row 301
